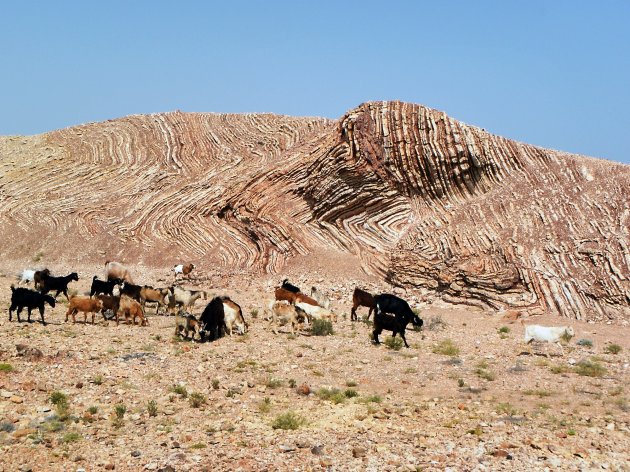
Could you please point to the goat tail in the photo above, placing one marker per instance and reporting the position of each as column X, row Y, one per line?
column 205, row 295
column 12, row 288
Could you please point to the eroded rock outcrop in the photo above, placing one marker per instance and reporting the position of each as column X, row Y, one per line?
column 422, row 199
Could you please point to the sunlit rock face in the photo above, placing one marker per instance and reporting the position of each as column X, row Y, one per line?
column 413, row 195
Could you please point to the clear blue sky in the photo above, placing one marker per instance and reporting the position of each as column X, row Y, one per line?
column 553, row 73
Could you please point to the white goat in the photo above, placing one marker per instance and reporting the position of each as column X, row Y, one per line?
column 27, row 276
column 233, row 317
column 317, row 312
column 321, row 298
column 548, row 334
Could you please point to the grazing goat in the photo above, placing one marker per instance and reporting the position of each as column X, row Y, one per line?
column 184, row 298
column 84, row 304
column 291, row 288
column 115, row 270
column 395, row 324
column 186, row 322
column 39, row 276
column 153, row 295
column 131, row 290
column 185, row 270
column 233, row 317
column 317, row 312
column 104, row 287
column 131, row 310
column 386, row 303
column 361, row 298
column 110, row 302
column 283, row 313
column 322, row 299
column 292, row 297
column 27, row 276
column 29, row 299
column 212, row 319
column 547, row 334
column 59, row 284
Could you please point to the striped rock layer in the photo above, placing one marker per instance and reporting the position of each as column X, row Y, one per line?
column 419, row 198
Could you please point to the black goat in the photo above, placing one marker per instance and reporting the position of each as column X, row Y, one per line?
column 29, row 299
column 386, row 303
column 131, row 290
column 394, row 324
column 212, row 320
column 104, row 287
column 291, row 288
column 59, row 284
column 403, row 315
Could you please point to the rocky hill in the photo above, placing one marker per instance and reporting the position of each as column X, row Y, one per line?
column 405, row 192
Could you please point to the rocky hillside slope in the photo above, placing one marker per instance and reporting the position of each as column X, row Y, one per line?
column 409, row 193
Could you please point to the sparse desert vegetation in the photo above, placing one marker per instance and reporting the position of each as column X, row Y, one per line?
column 269, row 400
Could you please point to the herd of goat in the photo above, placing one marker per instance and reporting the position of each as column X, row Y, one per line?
column 117, row 296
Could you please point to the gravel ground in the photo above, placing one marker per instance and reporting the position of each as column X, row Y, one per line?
column 137, row 398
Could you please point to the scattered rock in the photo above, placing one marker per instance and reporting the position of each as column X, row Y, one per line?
column 359, row 452
column 304, row 389
column 30, row 353
column 317, row 450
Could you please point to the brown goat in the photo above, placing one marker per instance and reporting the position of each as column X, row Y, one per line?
column 293, row 298
column 361, row 298
column 184, row 269
column 110, row 302
column 39, row 276
column 131, row 310
column 153, row 295
column 84, row 304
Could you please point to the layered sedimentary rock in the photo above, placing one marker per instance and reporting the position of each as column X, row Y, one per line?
column 420, row 198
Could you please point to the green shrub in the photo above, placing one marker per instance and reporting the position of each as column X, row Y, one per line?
column 58, row 398
column 6, row 367
column 483, row 372
column 590, row 369
column 62, row 407
column 92, row 410
column 70, row 437
column 371, row 399
column 331, row 394
column 585, row 342
column 612, row 349
column 289, row 420
column 197, row 399
column 504, row 330
column 322, row 328
column 350, row 393
column 120, row 410
column 393, row 343
column 180, row 390
column 274, row 383
column 152, row 408
column 265, row 405
column 447, row 348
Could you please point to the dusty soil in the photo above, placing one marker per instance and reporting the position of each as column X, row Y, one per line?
column 491, row 406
